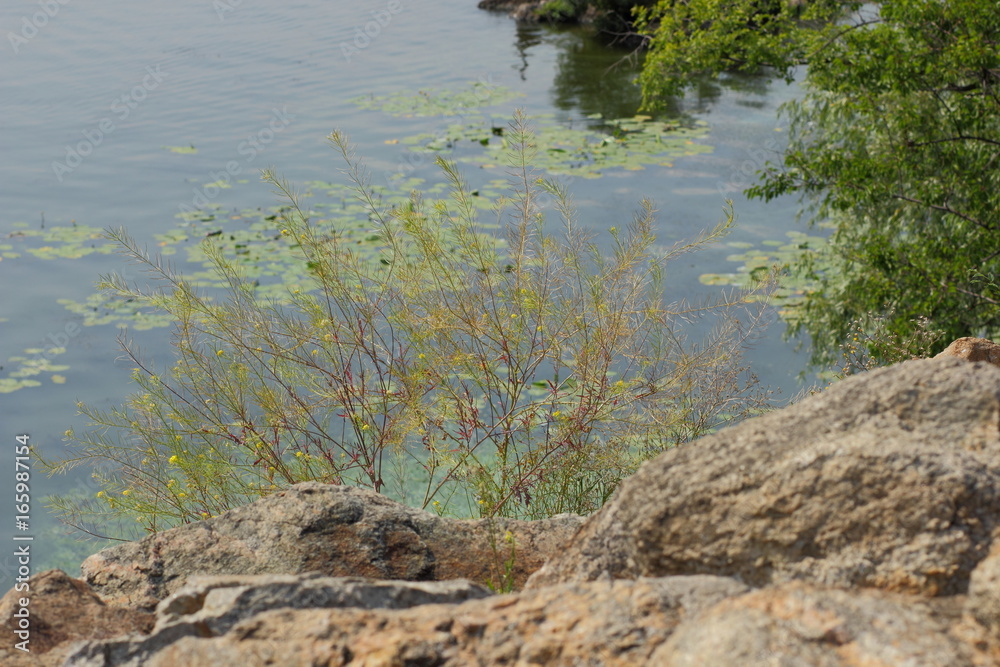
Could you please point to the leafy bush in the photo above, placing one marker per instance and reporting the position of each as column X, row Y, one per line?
column 871, row 344
column 561, row 11
column 895, row 143
column 520, row 375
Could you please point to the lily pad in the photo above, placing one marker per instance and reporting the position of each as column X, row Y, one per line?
column 9, row 385
column 59, row 242
column 755, row 264
column 27, row 366
column 102, row 308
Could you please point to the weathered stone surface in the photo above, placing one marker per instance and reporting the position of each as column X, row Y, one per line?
column 209, row 606
column 332, row 530
column 599, row 623
column 973, row 349
column 216, row 603
column 984, row 591
column 862, row 516
column 889, row 479
column 799, row 624
column 61, row 610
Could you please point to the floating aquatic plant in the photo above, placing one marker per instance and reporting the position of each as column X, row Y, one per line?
column 437, row 102
column 586, row 149
column 757, row 263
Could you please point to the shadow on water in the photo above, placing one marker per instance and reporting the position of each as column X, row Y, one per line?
column 595, row 76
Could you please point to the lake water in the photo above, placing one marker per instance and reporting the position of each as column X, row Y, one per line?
column 94, row 94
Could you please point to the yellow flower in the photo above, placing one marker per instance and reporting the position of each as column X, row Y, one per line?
column 219, row 353
column 619, row 384
column 126, row 492
column 557, row 413
column 299, row 455
column 364, row 427
column 171, row 482
column 182, row 495
column 100, row 494
column 285, row 232
column 173, row 460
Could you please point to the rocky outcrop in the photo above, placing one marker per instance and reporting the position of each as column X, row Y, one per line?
column 61, row 610
column 519, row 10
column 890, row 480
column 857, row 527
column 208, row 607
column 333, row 530
column 973, row 349
column 984, row 591
column 534, row 11
column 802, row 624
column 606, row 623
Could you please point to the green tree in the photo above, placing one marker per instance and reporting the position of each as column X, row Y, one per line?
column 896, row 142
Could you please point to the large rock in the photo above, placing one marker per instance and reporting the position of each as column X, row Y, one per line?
column 857, row 527
column 601, row 623
column 333, row 530
column 799, row 624
column 889, row 479
column 973, row 349
column 209, row 606
column 984, row 592
column 214, row 604
column 60, row 610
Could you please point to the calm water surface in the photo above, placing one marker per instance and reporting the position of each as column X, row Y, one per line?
column 128, row 79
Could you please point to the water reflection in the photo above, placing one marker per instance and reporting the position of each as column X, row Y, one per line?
column 594, row 76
